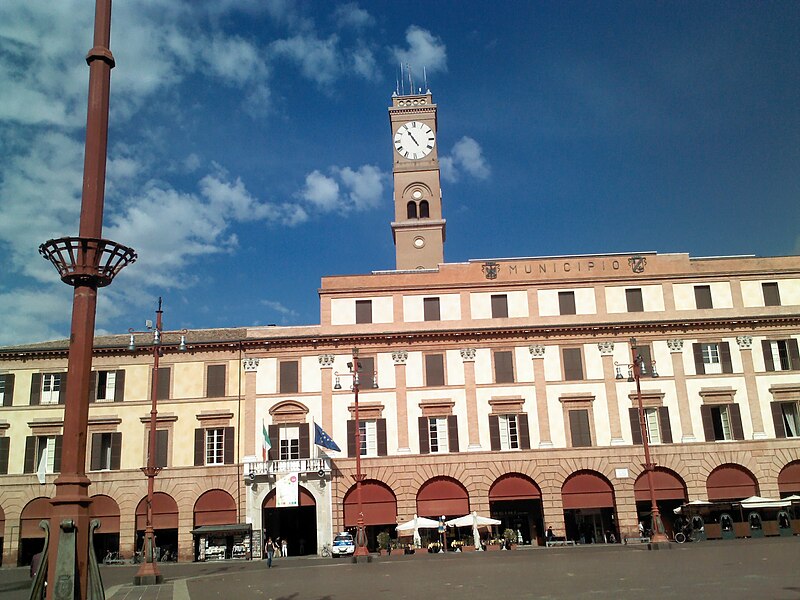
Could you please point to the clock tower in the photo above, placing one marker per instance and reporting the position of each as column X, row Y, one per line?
column 418, row 227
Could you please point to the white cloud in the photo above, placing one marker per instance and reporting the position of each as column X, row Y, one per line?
column 466, row 156
column 285, row 312
column 365, row 186
column 356, row 190
column 321, row 191
column 424, row 51
column 350, row 15
column 318, row 59
column 35, row 312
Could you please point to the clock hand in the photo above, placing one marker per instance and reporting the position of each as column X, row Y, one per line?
column 412, row 137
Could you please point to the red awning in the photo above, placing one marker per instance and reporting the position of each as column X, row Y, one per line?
column 165, row 512
column 666, row 484
column 34, row 511
column 730, row 482
column 304, row 498
column 442, row 496
column 789, row 479
column 587, row 490
column 378, row 503
column 106, row 510
column 514, row 487
column 215, row 507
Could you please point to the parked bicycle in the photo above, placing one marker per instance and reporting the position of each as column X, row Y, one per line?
column 113, row 558
column 684, row 535
column 326, row 550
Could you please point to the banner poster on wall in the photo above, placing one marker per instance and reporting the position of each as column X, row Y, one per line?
column 286, row 491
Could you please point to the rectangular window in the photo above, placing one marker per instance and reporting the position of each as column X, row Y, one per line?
column 657, row 425
column 162, row 393
column 781, row 355
column 566, row 303
column 509, row 438
column 106, row 449
column 162, row 447
column 580, row 431
column 437, row 428
column 702, row 297
column 215, row 381
column 791, row 419
column 5, row 443
column 368, row 431
column 288, row 377
column 431, row 309
column 499, row 306
column 3, row 400
column 290, row 442
column 711, row 359
column 51, row 388
column 366, row 372
column 215, row 446
column 504, row 367
column 573, row 365
column 363, row 311
column 45, row 453
column 772, row 296
column 106, row 385
column 721, row 420
column 633, row 299
column 652, row 425
column 434, row 370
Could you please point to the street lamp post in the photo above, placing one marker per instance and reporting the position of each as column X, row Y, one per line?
column 658, row 535
column 355, row 370
column 148, row 573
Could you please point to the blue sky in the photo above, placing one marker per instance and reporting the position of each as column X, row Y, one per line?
column 250, row 151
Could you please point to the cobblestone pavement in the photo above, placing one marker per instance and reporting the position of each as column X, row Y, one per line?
column 736, row 569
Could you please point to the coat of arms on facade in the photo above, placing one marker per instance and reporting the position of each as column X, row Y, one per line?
column 637, row 263
column 491, row 269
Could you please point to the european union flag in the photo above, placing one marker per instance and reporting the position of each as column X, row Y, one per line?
column 323, row 439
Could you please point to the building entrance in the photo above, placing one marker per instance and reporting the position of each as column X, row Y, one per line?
column 296, row 524
column 516, row 500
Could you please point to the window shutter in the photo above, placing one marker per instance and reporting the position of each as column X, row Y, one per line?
column 4, row 445
column 636, row 428
column 162, row 393
column 566, row 303
column 62, row 388
column 434, row 370
column 523, row 431
column 504, row 367
column 162, row 444
column 288, row 377
column 736, row 421
column 97, row 446
column 772, row 295
column 699, row 366
column 8, row 394
column 766, row 348
column 579, row 428
column 380, row 430
column 274, row 452
column 494, row 432
column 424, row 436
column 229, row 444
column 725, row 357
column 215, row 381
column 93, row 387
column 57, row 454
column 305, row 442
column 116, row 450
column 351, row 438
column 452, row 433
column 499, row 306
column 30, row 454
column 633, row 299
column 573, row 368
column 363, row 311
column 119, row 386
column 708, row 422
column 777, row 419
column 36, row 391
column 666, row 426
column 366, row 376
column 199, row 447
column 794, row 355
column 431, row 310
column 702, row 297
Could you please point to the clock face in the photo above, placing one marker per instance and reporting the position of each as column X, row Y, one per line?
column 414, row 140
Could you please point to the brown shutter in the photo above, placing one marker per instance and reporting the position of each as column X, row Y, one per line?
column 4, row 445
column 116, row 450
column 380, row 429
column 36, row 391
column 424, row 436
column 199, row 447
column 566, row 303
column 699, row 365
column 434, row 370
column 633, row 299
column 274, row 452
column 646, row 365
column 305, row 442
column 636, row 428
column 736, row 421
column 162, row 444
column 229, row 444
column 57, row 454
column 777, row 419
column 97, row 446
column 708, row 422
column 93, row 387
column 62, row 388
column 666, row 426
column 579, row 428
column 8, row 394
column 366, row 376
column 363, row 311
column 766, row 348
column 29, row 466
column 523, row 431
column 215, row 381
column 164, row 374
column 494, row 432
column 351, row 438
column 573, row 368
column 452, row 433
column 504, row 367
column 725, row 357
column 772, row 295
column 499, row 306
column 431, row 310
column 119, row 386
column 288, row 377
column 794, row 354
column 702, row 297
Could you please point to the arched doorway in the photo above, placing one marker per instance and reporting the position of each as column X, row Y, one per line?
column 106, row 537
column 379, row 505
column 730, row 483
column 441, row 497
column 165, row 522
column 670, row 493
column 295, row 524
column 516, row 500
column 789, row 479
column 589, row 508
column 216, row 532
column 31, row 536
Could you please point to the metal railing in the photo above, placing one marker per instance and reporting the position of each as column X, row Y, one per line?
column 299, row 465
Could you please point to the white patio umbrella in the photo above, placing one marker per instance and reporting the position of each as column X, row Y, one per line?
column 693, row 504
column 759, row 502
column 476, row 521
column 414, row 525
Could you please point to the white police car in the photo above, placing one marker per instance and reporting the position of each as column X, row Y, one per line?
column 343, row 544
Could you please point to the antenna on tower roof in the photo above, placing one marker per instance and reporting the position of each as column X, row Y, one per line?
column 425, row 77
column 397, row 84
column 410, row 78
column 402, row 81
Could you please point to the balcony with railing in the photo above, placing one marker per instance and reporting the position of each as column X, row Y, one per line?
column 279, row 467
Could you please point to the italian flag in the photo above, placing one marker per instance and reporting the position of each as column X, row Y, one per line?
column 267, row 444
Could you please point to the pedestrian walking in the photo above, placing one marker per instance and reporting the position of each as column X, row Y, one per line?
column 284, row 548
column 269, row 550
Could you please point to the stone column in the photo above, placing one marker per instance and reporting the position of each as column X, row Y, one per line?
column 399, row 357
column 468, row 356
column 684, row 412
column 540, row 386
column 607, row 354
column 745, row 343
column 250, row 366
column 326, row 388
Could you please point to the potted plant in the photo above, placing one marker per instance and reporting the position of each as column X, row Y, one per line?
column 384, row 541
column 509, row 538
